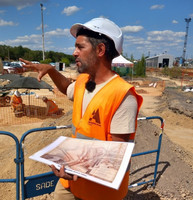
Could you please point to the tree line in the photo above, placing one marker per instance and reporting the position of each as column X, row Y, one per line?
column 9, row 53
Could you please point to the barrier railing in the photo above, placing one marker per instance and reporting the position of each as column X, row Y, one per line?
column 17, row 161
column 44, row 183
column 38, row 184
column 150, row 152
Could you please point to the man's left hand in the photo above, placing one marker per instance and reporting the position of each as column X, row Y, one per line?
column 62, row 174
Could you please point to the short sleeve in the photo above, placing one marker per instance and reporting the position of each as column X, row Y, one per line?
column 70, row 91
column 123, row 121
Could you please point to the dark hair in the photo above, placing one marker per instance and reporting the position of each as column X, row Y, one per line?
column 97, row 38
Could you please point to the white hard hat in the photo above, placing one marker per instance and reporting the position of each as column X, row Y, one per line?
column 17, row 93
column 103, row 26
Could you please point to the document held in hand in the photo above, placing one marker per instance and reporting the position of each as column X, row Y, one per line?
column 104, row 162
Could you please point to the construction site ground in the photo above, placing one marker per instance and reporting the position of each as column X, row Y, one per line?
column 162, row 97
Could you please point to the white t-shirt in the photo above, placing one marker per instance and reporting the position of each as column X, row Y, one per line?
column 123, row 121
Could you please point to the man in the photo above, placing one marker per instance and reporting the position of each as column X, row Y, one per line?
column 105, row 106
column 16, row 101
column 51, row 107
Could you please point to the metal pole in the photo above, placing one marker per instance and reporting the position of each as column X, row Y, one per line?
column 43, row 49
column 185, row 40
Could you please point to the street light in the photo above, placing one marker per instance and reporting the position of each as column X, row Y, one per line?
column 43, row 49
column 187, row 20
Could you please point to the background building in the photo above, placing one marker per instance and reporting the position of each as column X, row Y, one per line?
column 163, row 60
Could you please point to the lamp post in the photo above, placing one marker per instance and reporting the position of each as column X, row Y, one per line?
column 187, row 20
column 43, row 49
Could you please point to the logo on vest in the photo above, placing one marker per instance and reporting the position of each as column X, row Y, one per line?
column 95, row 119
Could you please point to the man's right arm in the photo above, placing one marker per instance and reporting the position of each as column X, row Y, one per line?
column 60, row 81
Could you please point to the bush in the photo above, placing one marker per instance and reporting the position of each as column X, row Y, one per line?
column 139, row 67
column 174, row 72
column 66, row 61
column 46, row 61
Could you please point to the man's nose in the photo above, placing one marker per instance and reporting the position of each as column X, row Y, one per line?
column 75, row 53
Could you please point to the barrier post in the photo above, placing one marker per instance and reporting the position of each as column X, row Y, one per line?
column 157, row 151
column 38, row 184
column 17, row 161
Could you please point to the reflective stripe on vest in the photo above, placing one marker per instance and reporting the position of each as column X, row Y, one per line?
column 81, row 136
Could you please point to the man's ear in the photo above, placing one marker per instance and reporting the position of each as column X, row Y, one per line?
column 101, row 49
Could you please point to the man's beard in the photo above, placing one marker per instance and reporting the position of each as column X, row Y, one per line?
column 82, row 69
column 88, row 65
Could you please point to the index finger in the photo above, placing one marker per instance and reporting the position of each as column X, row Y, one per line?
column 25, row 61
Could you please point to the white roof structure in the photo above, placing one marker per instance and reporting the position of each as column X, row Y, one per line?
column 162, row 60
column 122, row 62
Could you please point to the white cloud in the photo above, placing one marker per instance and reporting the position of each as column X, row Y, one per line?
column 155, row 7
column 132, row 29
column 191, row 15
column 7, row 23
column 165, row 35
column 155, row 41
column 174, row 22
column 20, row 7
column 2, row 11
column 70, row 10
column 58, row 32
column 40, row 27
column 135, row 40
column 34, row 41
column 19, row 4
column 69, row 50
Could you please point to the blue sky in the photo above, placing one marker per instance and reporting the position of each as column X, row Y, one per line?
column 150, row 27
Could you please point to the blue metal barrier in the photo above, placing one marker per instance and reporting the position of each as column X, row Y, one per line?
column 40, row 184
column 153, row 181
column 17, row 160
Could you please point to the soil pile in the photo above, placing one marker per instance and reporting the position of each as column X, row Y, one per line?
column 175, row 170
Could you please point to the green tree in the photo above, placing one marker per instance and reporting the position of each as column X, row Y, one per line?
column 46, row 61
column 51, row 55
column 66, row 61
column 14, row 53
column 131, row 58
column 19, row 52
column 140, row 67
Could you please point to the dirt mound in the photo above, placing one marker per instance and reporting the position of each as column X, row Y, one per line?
column 179, row 101
column 175, row 171
column 174, row 178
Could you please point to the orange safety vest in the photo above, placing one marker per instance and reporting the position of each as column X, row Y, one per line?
column 95, row 124
column 16, row 101
column 52, row 106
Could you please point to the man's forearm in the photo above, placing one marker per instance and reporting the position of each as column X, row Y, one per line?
column 120, row 137
column 60, row 80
